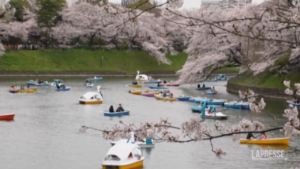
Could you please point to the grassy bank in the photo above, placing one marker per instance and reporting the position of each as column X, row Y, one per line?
column 266, row 79
column 82, row 60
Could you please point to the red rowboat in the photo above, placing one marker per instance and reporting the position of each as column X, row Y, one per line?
column 7, row 117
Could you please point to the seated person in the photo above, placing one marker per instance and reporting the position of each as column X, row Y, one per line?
column 203, row 85
column 213, row 89
column 165, row 81
column 171, row 95
column 165, row 94
column 22, row 87
column 134, row 83
column 12, row 88
column 263, row 136
column 158, row 84
column 198, row 85
column 210, row 112
column 28, row 87
column 60, row 85
column 111, row 109
column 120, row 108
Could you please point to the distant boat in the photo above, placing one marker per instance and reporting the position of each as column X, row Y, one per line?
column 94, row 79
column 136, row 86
column 291, row 102
column 63, row 89
column 13, row 91
column 210, row 92
column 138, row 92
column 123, row 113
column 237, row 105
column 7, row 117
column 34, row 83
column 183, row 98
column 203, row 88
column 270, row 141
column 89, row 85
column 157, row 87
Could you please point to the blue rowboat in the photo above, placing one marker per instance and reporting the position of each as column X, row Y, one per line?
column 209, row 92
column 196, row 109
column 237, row 105
column 203, row 88
column 126, row 112
column 294, row 104
column 186, row 98
column 208, row 101
column 95, row 79
column 157, row 87
column 63, row 89
column 13, row 91
column 151, row 82
column 37, row 84
column 222, row 77
column 89, row 85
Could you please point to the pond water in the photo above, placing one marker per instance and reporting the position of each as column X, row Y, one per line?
column 45, row 133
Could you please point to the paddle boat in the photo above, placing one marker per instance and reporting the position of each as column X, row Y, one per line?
column 123, row 113
column 138, row 92
column 13, row 91
column 237, row 105
column 160, row 97
column 141, row 77
column 94, row 79
column 170, row 84
column 123, row 156
column 148, row 94
column 157, row 87
column 152, row 81
column 203, row 88
column 136, row 85
column 183, row 98
column 7, row 117
column 211, row 113
column 26, row 91
column 89, row 85
column 92, row 97
column 198, row 108
column 208, row 101
column 292, row 103
column 36, row 83
column 210, row 92
column 145, row 143
column 269, row 141
column 222, row 77
column 67, row 88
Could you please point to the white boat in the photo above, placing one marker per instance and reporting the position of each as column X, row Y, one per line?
column 89, row 84
column 123, row 156
column 141, row 77
column 92, row 97
column 146, row 143
column 214, row 115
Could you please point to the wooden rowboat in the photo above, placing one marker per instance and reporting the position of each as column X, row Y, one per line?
column 271, row 141
column 26, row 91
column 7, row 117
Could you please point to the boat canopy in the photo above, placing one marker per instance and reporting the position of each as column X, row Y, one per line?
column 222, row 76
column 122, row 150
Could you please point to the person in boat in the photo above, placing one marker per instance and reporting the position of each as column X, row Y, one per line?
column 12, row 88
column 201, row 104
column 22, row 87
column 263, row 136
column 158, row 84
column 60, row 85
column 120, row 108
column 203, row 86
column 165, row 94
column 213, row 89
column 198, row 86
column 165, row 81
column 171, row 95
column 28, row 87
column 134, row 82
column 249, row 136
column 111, row 109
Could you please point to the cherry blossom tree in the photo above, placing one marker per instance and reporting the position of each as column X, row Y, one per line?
column 196, row 130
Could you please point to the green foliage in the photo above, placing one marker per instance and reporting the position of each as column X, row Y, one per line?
column 267, row 79
column 19, row 5
column 141, row 5
column 87, row 60
column 48, row 11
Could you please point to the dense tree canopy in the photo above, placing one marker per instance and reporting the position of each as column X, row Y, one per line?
column 48, row 11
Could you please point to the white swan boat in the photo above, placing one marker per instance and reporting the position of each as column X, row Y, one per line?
column 141, row 77
column 145, row 143
column 123, row 156
column 92, row 97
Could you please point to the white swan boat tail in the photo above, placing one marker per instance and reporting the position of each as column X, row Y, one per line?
column 145, row 143
column 123, row 156
column 92, row 97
